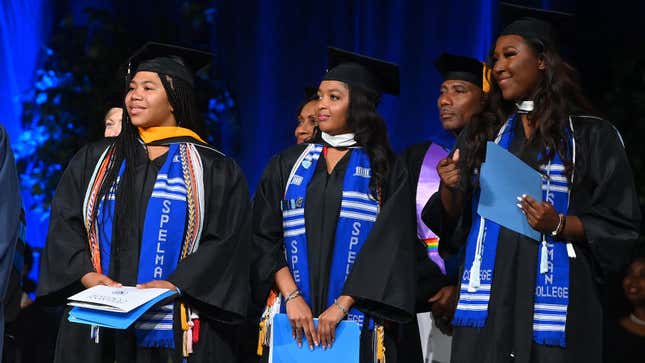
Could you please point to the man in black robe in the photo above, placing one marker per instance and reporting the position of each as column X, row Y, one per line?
column 461, row 96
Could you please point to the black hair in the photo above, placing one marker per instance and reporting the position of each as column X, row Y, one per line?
column 370, row 132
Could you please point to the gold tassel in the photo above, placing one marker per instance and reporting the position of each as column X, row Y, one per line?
column 380, row 346
column 263, row 329
column 184, row 328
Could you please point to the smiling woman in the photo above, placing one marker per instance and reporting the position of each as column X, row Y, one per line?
column 161, row 209
column 540, row 302
column 147, row 101
column 334, row 206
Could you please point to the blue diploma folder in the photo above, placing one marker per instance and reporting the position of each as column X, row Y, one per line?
column 503, row 178
column 110, row 319
column 284, row 349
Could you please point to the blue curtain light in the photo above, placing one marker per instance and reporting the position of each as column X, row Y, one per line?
column 270, row 50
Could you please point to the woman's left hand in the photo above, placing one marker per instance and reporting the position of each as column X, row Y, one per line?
column 160, row 284
column 540, row 215
column 329, row 319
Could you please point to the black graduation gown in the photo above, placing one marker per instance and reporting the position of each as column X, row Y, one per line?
column 603, row 197
column 429, row 278
column 214, row 279
column 621, row 345
column 382, row 278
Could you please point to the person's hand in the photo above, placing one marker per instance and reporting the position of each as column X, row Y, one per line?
column 444, row 303
column 159, row 284
column 448, row 171
column 329, row 319
column 92, row 279
column 540, row 215
column 302, row 321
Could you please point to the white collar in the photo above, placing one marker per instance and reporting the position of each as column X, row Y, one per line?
column 341, row 140
column 525, row 106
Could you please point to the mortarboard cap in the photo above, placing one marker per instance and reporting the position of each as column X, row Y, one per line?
column 310, row 93
column 554, row 28
column 353, row 68
column 462, row 68
column 175, row 61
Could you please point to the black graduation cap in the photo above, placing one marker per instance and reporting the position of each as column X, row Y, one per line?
column 173, row 60
column 353, row 68
column 554, row 28
column 462, row 68
column 310, row 93
column 113, row 98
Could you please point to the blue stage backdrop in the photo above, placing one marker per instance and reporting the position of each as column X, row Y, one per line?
column 270, row 50
column 24, row 30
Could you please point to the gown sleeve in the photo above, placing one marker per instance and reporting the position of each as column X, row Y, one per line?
column 605, row 198
column 382, row 280
column 66, row 256
column 429, row 277
column 9, row 210
column 268, row 251
column 214, row 279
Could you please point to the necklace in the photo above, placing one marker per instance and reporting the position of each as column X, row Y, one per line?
column 636, row 320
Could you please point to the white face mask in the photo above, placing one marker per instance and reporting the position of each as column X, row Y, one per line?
column 342, row 140
column 525, row 106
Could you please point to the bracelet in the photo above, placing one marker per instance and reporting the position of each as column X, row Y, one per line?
column 560, row 227
column 292, row 296
column 339, row 306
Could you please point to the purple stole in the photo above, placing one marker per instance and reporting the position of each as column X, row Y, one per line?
column 429, row 184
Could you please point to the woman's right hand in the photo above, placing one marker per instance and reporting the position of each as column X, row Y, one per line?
column 301, row 320
column 448, row 170
column 92, row 279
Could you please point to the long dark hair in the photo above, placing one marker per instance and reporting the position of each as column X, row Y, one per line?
column 557, row 95
column 370, row 132
column 128, row 145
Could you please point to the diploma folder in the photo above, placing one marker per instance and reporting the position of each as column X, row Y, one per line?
column 284, row 348
column 503, row 178
column 114, row 307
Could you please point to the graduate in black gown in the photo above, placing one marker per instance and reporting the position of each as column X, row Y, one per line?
column 524, row 300
column 462, row 95
column 166, row 165
column 380, row 282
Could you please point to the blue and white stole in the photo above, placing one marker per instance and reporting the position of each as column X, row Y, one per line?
column 358, row 213
column 161, row 245
column 552, row 275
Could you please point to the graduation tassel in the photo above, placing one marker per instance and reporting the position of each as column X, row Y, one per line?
column 261, row 337
column 544, row 257
column 380, row 344
column 95, row 332
column 272, row 308
column 474, row 280
column 194, row 320
column 185, row 327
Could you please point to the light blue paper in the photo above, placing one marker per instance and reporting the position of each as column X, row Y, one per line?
column 503, row 178
column 345, row 349
column 110, row 319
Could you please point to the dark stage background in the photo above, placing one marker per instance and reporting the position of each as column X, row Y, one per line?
column 267, row 51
